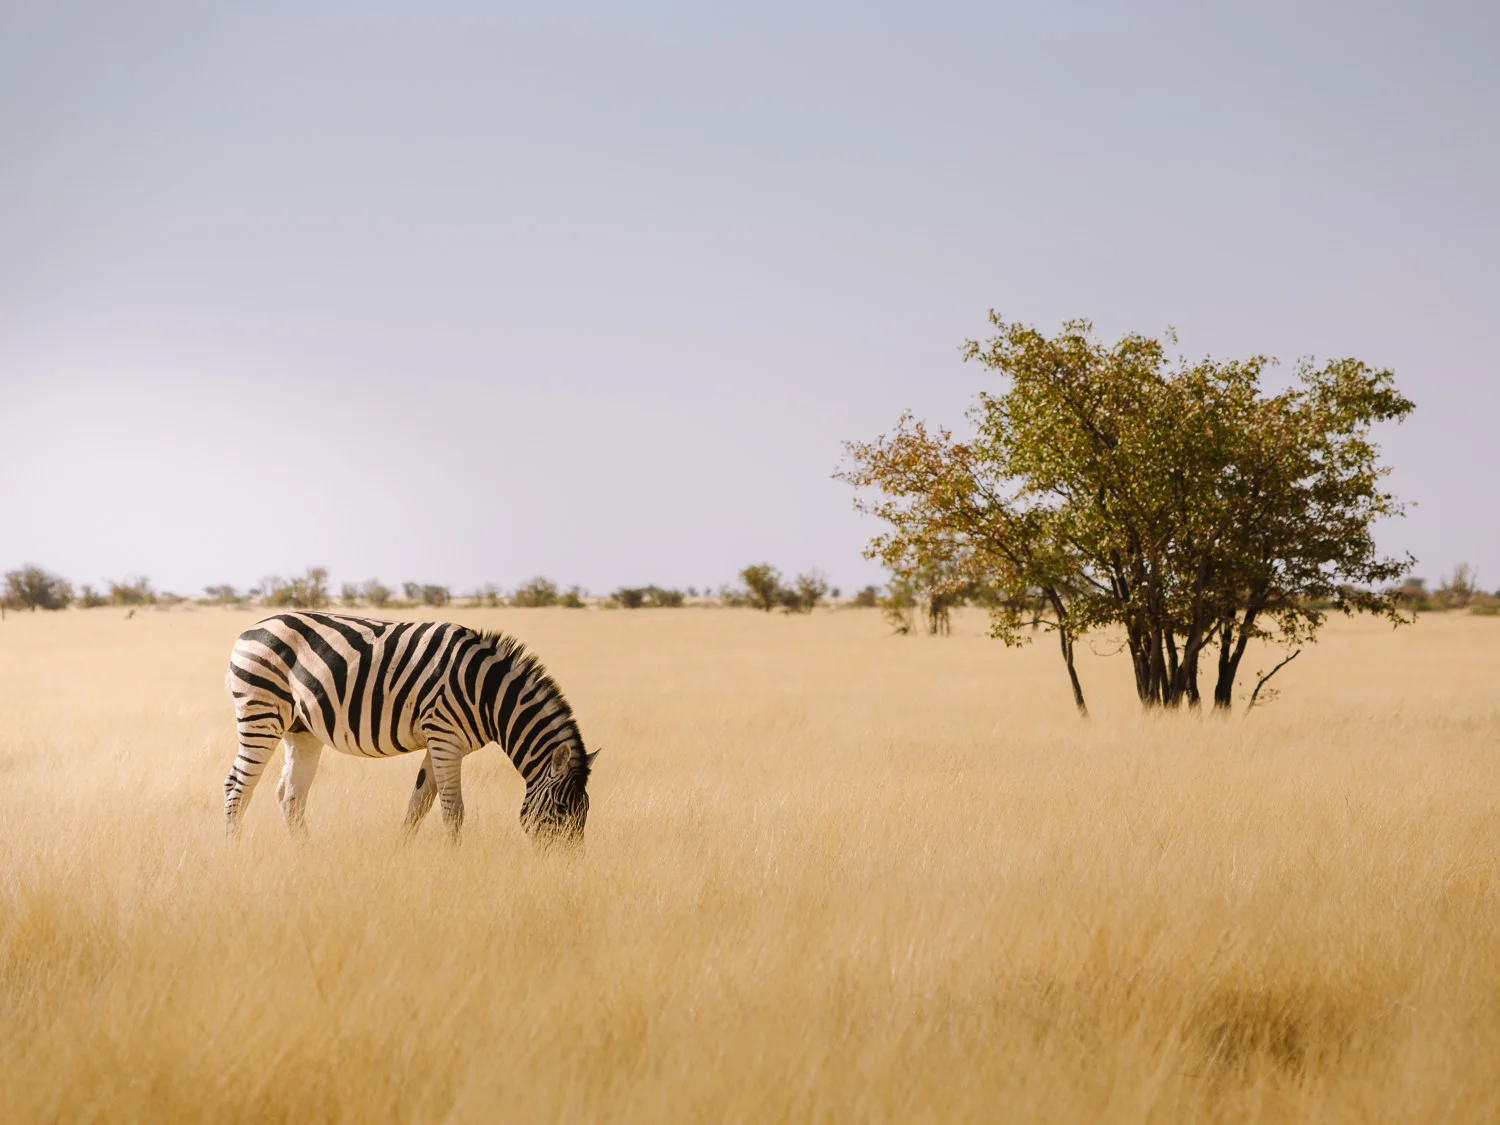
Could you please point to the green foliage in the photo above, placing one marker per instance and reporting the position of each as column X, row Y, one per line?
column 867, row 598
column 1177, row 502
column 221, row 595
column 374, row 594
column 310, row 591
column 811, row 588
column 536, row 593
column 763, row 586
column 647, row 597
column 572, row 599
column 88, row 598
column 1459, row 590
column 33, row 588
column 133, row 591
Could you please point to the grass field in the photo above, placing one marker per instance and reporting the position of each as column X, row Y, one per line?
column 830, row 875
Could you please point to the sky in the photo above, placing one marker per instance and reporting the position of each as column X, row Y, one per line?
column 464, row 293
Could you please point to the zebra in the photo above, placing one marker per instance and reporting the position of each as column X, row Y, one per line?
column 375, row 688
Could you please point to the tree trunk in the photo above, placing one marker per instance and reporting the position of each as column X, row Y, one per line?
column 1065, row 639
column 1231, row 649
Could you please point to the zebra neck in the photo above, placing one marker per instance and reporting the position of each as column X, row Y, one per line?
column 530, row 719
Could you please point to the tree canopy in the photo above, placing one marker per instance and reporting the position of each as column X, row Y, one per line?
column 1110, row 486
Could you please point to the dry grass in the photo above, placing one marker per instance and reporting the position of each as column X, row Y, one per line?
column 831, row 875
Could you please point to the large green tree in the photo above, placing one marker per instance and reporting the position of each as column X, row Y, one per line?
column 1109, row 486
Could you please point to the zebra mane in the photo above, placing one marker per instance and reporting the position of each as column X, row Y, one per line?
column 506, row 647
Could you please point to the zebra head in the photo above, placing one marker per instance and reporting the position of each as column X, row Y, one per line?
column 556, row 804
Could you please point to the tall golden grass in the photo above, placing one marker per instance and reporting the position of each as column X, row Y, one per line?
column 830, row 875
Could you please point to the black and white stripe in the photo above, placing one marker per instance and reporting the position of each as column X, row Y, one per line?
column 376, row 688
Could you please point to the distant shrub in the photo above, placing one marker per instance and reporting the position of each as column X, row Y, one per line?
column 573, row 599
column 89, row 599
column 1485, row 605
column 373, row 593
column 867, row 598
column 133, row 591
column 731, row 598
column 33, row 588
column 420, row 594
column 809, row 591
column 1457, row 590
column 763, row 586
column 535, row 594
column 647, row 597
column 310, row 591
column 220, row 595
column 487, row 596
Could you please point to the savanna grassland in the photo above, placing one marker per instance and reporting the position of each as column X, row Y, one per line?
column 830, row 875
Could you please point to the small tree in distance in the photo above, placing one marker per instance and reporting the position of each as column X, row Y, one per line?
column 310, row 591
column 373, row 593
column 133, row 591
column 536, row 593
column 811, row 588
column 763, row 584
column 1458, row 588
column 33, row 588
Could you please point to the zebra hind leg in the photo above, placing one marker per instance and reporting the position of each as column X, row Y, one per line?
column 257, row 743
column 422, row 796
column 302, row 754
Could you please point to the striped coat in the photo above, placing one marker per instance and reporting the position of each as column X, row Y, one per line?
column 376, row 688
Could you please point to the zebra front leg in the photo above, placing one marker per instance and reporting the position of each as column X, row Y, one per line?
column 447, row 769
column 302, row 753
column 422, row 796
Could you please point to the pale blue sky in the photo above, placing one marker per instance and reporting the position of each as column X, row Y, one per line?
column 458, row 293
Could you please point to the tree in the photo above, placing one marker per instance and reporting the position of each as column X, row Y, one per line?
column 1458, row 589
column 648, row 597
column 433, row 595
column 375, row 594
column 538, row 592
column 310, row 591
column 221, row 595
column 763, row 581
column 812, row 588
column 33, row 588
column 867, row 597
column 1109, row 487
column 132, row 592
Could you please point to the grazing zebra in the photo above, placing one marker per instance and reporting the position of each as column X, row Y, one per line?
column 377, row 688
